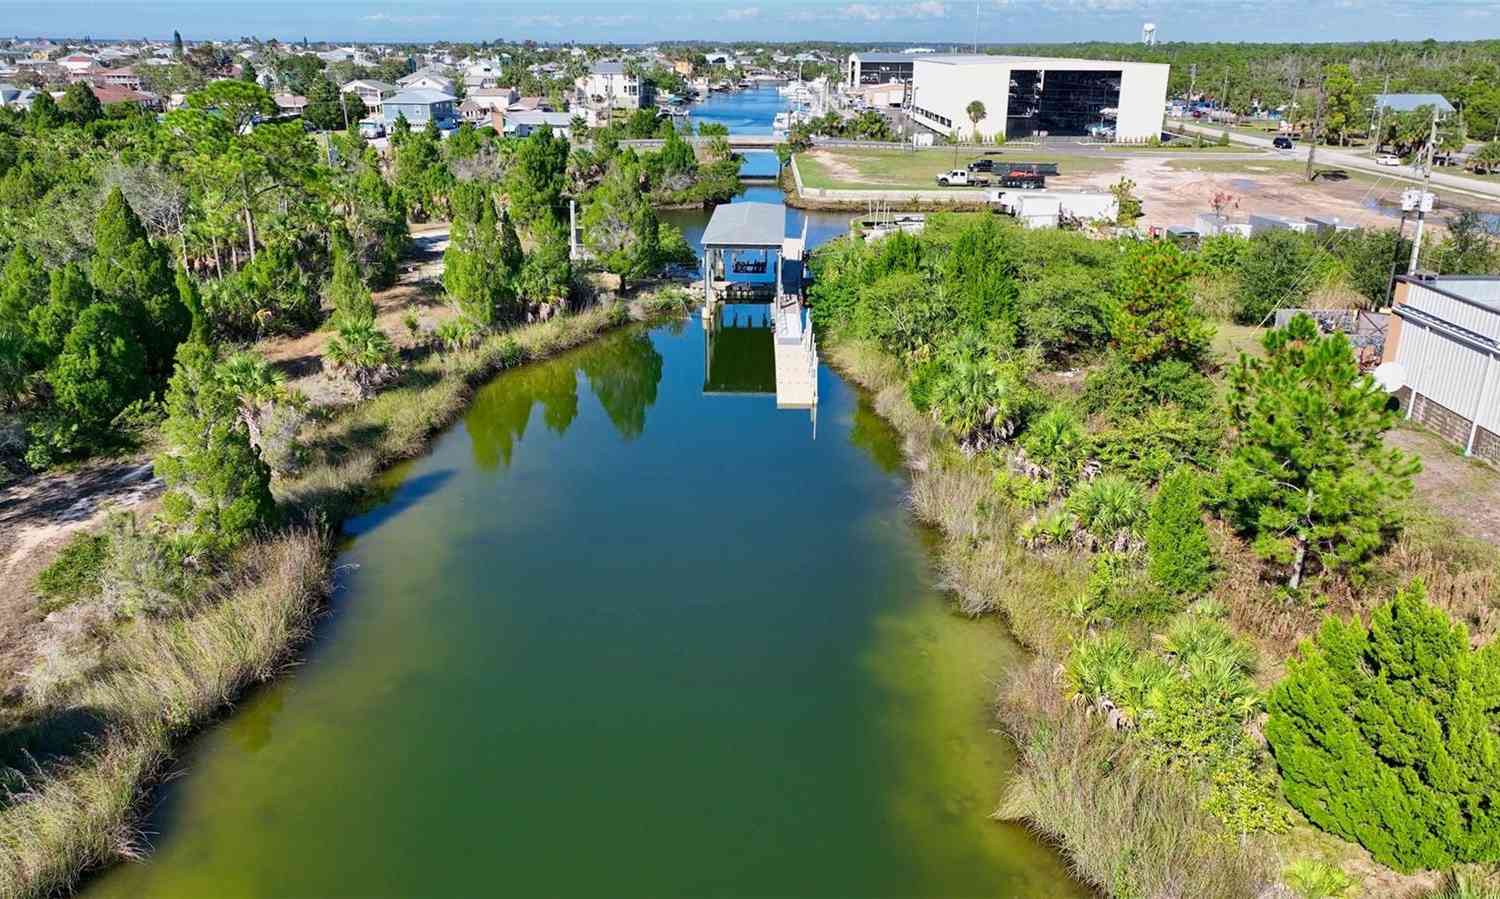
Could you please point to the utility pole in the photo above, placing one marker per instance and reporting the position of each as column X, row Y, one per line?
column 1422, row 204
column 1312, row 148
column 1192, row 82
column 1379, row 117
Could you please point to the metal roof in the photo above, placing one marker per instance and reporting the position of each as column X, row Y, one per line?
column 1409, row 102
column 882, row 57
column 608, row 67
column 420, row 95
column 746, row 225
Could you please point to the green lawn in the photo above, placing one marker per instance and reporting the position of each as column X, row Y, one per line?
column 916, row 170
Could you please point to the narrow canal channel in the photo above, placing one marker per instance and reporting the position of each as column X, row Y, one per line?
column 627, row 630
column 616, row 636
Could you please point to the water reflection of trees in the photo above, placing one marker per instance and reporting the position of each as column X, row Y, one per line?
column 498, row 417
column 623, row 372
column 875, row 436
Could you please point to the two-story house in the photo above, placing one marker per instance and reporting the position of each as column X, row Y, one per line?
column 419, row 106
column 370, row 92
column 609, row 84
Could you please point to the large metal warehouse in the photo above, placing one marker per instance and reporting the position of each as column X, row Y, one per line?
column 1445, row 341
column 1028, row 95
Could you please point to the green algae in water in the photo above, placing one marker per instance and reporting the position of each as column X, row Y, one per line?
column 615, row 637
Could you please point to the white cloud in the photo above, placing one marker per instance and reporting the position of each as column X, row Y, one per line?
column 384, row 18
column 740, row 14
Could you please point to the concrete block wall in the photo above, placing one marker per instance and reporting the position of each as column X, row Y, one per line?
column 1452, row 426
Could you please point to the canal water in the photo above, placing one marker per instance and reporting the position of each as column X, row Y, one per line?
column 745, row 112
column 617, row 635
column 627, row 630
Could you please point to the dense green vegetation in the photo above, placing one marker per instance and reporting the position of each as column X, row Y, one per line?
column 1159, row 528
column 1386, row 735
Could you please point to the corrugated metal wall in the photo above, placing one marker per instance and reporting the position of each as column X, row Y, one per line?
column 1441, row 368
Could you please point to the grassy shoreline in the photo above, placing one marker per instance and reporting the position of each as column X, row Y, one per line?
column 1123, row 826
column 168, row 678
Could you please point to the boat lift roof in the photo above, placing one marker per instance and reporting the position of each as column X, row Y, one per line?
column 757, row 225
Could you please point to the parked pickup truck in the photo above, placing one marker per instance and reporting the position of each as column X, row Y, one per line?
column 962, row 178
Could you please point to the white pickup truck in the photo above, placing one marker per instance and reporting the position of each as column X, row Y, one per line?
column 963, row 178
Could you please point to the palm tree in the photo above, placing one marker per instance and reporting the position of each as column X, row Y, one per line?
column 259, row 386
column 1487, row 159
column 362, row 352
column 976, row 112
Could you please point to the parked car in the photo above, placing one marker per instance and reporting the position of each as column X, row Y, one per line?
column 982, row 165
column 962, row 178
column 1102, row 132
column 1282, row 142
column 1387, row 159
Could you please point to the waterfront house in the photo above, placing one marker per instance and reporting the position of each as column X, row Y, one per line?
column 370, row 92
column 421, row 105
column 522, row 124
column 609, row 84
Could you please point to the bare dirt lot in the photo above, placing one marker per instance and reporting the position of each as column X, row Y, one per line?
column 1463, row 490
column 1174, row 191
column 418, row 291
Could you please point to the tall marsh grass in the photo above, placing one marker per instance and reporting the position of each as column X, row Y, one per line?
column 1126, row 826
column 165, row 676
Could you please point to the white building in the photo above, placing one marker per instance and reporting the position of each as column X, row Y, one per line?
column 608, row 84
column 371, row 92
column 1442, row 358
column 1026, row 95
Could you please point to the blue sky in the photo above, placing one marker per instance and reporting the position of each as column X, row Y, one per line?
column 935, row 22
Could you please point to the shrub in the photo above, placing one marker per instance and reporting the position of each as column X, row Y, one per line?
column 74, row 574
column 1110, row 508
column 269, row 295
column 1118, row 590
column 1176, row 540
column 1312, row 879
column 1056, row 440
column 1386, row 735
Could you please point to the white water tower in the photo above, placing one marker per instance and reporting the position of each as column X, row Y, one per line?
column 1148, row 34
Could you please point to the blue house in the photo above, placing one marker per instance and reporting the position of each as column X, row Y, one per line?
column 421, row 105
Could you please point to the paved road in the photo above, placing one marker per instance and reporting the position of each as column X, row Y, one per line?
column 1331, row 156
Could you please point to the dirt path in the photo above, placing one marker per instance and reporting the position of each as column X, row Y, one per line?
column 418, row 290
column 1463, row 490
column 38, row 514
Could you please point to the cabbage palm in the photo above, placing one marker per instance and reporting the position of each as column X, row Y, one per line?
column 363, row 352
column 259, row 387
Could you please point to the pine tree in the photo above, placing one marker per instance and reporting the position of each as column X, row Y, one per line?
column 547, row 275
column 23, row 286
column 187, row 292
column 176, row 44
column 1390, row 735
column 135, row 274
column 80, row 104
column 218, row 489
column 44, row 113
column 1177, row 550
column 1309, row 477
column 476, row 273
column 1155, row 319
column 347, row 292
column 68, row 294
column 100, row 371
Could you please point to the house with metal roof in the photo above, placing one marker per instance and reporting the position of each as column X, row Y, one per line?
column 420, row 106
column 1413, row 102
